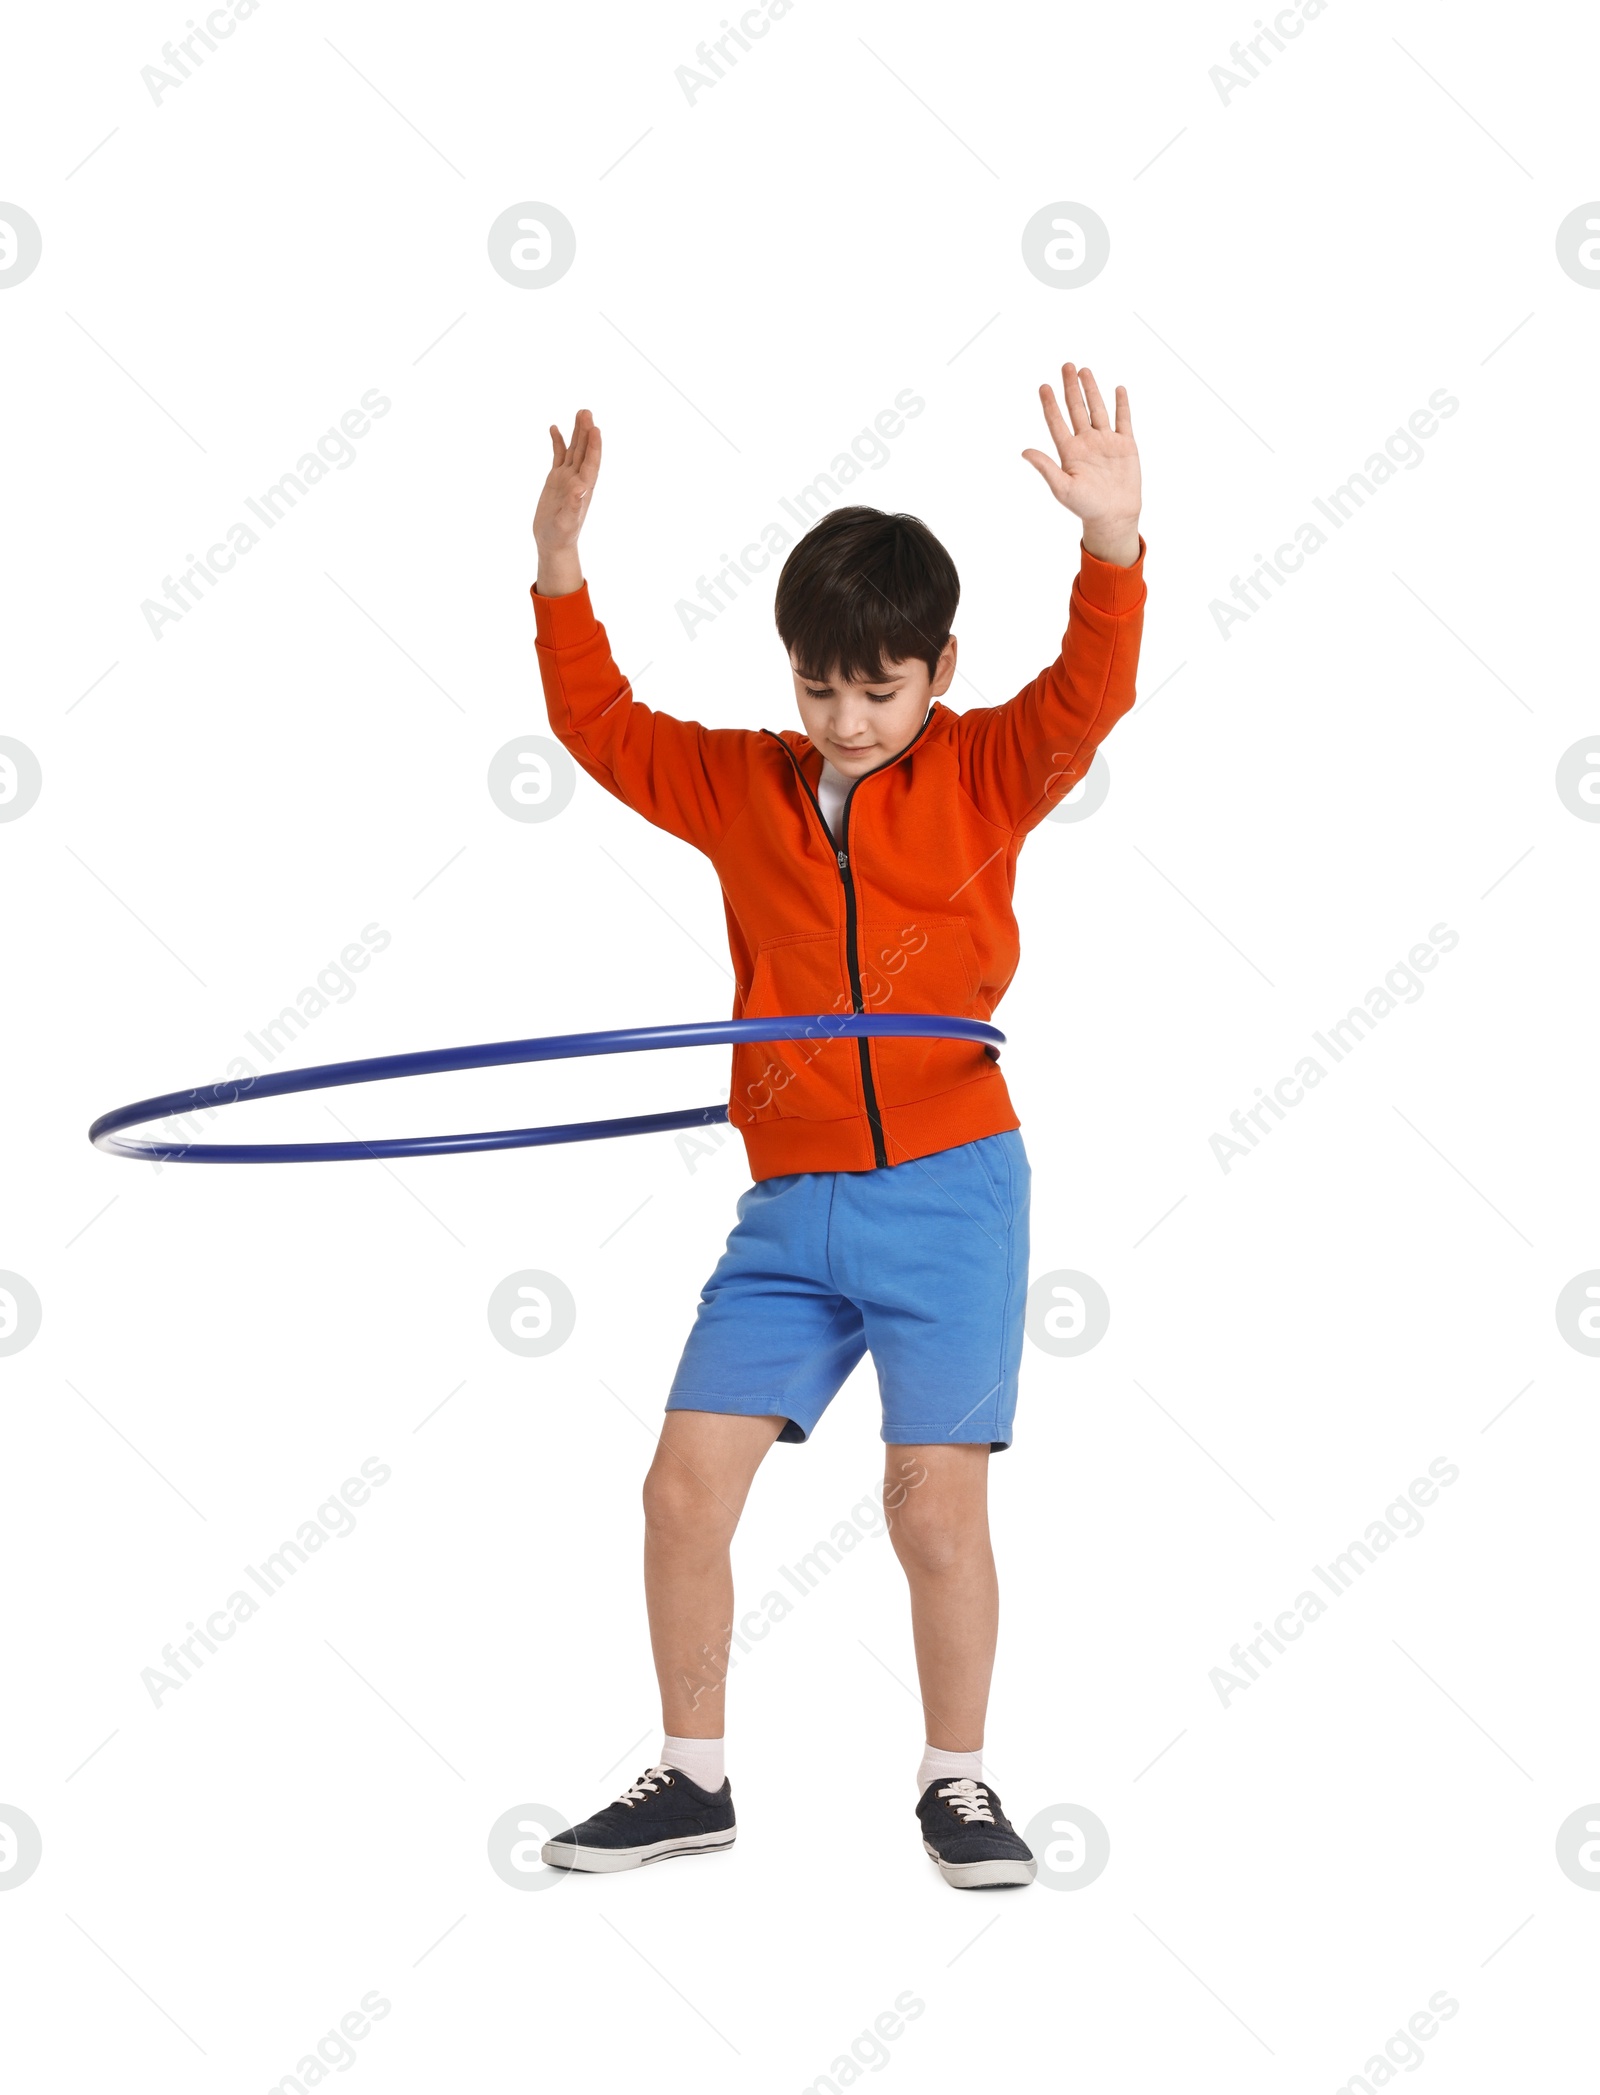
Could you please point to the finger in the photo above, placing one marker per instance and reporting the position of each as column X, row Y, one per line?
column 557, row 448
column 1055, row 420
column 1049, row 472
column 1124, row 419
column 581, row 429
column 1098, row 418
column 1074, row 399
column 591, row 460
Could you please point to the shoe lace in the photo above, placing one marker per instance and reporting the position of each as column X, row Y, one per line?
column 646, row 1786
column 970, row 1799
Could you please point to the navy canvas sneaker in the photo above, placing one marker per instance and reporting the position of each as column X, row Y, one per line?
column 970, row 1837
column 661, row 1814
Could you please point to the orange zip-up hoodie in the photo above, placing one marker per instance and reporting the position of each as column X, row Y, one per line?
column 910, row 910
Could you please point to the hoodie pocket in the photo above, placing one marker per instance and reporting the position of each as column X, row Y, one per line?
column 817, row 1078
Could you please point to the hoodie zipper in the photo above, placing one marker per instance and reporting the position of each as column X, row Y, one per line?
column 841, row 853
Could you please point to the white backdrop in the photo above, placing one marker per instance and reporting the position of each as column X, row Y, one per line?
column 200, row 1881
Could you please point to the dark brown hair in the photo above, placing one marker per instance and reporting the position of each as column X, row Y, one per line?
column 863, row 589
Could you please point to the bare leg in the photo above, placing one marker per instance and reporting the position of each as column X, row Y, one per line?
column 693, row 1497
column 936, row 1502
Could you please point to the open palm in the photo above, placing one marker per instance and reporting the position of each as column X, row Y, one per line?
column 564, row 498
column 1095, row 473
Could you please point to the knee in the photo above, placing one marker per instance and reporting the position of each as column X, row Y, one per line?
column 680, row 1512
column 930, row 1537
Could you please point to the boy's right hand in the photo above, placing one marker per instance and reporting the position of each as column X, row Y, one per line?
column 563, row 505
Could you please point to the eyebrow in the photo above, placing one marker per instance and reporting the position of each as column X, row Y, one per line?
column 825, row 683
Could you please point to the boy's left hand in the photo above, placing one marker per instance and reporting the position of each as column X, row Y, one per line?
column 1098, row 474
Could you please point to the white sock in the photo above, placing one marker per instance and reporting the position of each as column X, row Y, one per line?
column 700, row 1759
column 939, row 1766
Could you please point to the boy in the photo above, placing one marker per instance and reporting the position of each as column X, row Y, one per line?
column 866, row 860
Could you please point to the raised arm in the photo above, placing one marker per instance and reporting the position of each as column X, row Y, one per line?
column 1021, row 757
column 688, row 779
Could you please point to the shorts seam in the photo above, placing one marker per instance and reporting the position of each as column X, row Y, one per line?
column 749, row 1410
column 983, row 1165
column 1011, row 1275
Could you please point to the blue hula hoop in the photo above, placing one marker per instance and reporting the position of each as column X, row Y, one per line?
column 106, row 1132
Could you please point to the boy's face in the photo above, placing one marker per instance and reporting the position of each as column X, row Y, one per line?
column 857, row 727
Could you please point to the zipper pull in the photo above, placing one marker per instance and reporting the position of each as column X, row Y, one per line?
column 844, row 860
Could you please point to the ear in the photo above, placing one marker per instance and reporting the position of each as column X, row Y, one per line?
column 944, row 675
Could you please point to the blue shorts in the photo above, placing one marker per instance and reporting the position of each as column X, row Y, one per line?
column 922, row 1264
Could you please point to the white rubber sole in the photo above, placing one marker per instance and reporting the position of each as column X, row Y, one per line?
column 975, row 1876
column 566, row 1855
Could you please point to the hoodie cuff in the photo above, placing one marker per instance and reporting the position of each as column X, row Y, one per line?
column 564, row 621
column 1109, row 588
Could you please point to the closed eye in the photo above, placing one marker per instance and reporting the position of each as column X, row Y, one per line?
column 878, row 698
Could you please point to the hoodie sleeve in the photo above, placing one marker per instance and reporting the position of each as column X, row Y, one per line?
column 687, row 779
column 1018, row 759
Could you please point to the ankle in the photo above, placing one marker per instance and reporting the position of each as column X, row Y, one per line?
column 940, row 1766
column 699, row 1759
